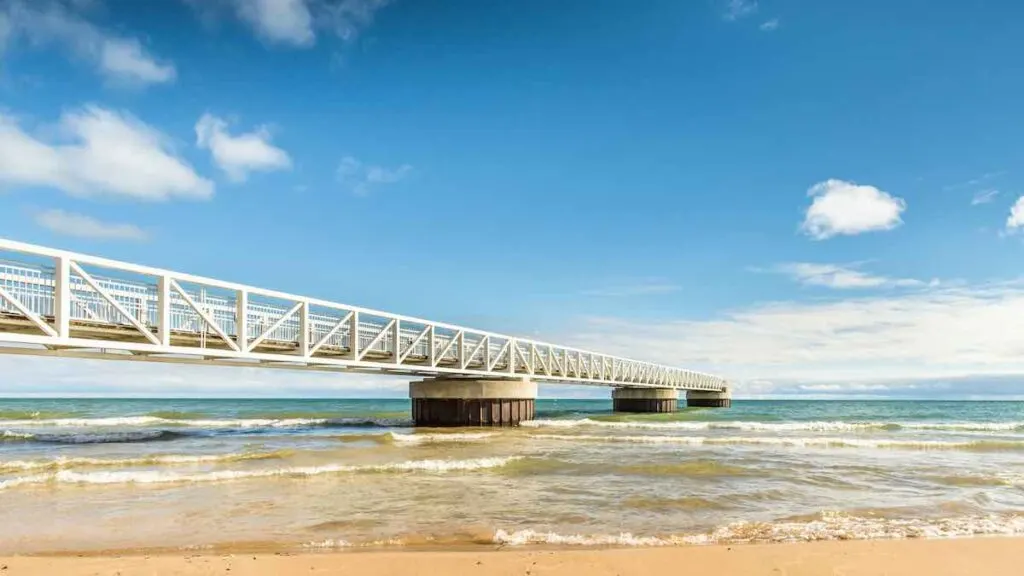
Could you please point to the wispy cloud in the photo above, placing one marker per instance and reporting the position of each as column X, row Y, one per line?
column 976, row 180
column 769, row 25
column 99, row 152
column 120, row 59
column 846, row 208
column 736, row 9
column 984, row 196
column 935, row 333
column 238, row 155
column 82, row 226
column 644, row 288
column 843, row 276
column 361, row 178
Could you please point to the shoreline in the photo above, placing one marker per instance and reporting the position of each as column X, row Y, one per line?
column 910, row 557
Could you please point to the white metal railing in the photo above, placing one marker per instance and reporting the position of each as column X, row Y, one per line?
column 57, row 299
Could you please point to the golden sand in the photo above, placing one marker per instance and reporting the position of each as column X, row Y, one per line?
column 974, row 556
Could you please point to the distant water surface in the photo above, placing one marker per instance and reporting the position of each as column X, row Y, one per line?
column 87, row 475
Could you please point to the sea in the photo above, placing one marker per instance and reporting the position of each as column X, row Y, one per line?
column 102, row 475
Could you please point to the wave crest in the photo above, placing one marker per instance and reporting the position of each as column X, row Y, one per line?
column 799, row 441
column 831, row 526
column 162, row 477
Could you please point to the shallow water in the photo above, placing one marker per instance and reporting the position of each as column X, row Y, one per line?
column 300, row 474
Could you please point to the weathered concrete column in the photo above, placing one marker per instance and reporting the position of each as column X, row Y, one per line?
column 645, row 399
column 471, row 402
column 706, row 399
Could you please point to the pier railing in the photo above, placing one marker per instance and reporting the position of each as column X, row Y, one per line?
column 57, row 302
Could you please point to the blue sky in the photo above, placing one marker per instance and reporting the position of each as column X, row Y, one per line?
column 808, row 197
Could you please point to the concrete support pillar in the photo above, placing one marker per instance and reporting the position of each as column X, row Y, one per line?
column 645, row 399
column 706, row 399
column 471, row 402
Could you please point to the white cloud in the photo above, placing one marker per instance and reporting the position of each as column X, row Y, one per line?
column 98, row 152
column 81, row 226
column 846, row 208
column 1016, row 218
column 843, row 276
column 361, row 179
column 50, row 22
column 769, row 25
column 736, row 9
column 984, row 197
column 347, row 17
column 937, row 333
column 297, row 22
column 285, row 21
column 241, row 154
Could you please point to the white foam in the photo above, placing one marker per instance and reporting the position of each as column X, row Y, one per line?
column 796, row 441
column 440, row 438
column 71, row 462
column 36, row 479
column 157, row 421
column 809, row 426
column 831, row 526
column 165, row 477
column 16, row 435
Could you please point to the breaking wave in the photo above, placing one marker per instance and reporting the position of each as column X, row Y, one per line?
column 168, row 459
column 799, row 441
column 111, row 437
column 831, row 526
column 239, row 423
column 163, row 477
column 807, row 426
column 414, row 439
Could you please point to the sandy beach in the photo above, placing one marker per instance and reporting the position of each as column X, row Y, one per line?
column 988, row 556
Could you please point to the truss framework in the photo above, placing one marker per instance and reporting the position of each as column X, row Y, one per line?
column 54, row 302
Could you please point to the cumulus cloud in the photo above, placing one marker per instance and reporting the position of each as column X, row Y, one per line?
column 82, row 226
column 239, row 155
column 769, row 25
column 843, row 276
column 98, row 152
column 736, row 9
column 361, row 178
column 938, row 333
column 845, row 208
column 1016, row 218
column 286, row 21
column 297, row 22
column 120, row 59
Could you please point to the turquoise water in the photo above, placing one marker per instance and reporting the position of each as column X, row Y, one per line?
column 97, row 474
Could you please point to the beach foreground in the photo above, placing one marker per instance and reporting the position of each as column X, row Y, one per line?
column 990, row 556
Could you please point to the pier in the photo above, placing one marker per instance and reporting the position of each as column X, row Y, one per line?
column 63, row 304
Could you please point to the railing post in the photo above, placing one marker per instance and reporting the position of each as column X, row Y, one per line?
column 353, row 335
column 431, row 345
column 163, row 310
column 396, row 337
column 304, row 329
column 242, row 320
column 62, row 297
column 512, row 353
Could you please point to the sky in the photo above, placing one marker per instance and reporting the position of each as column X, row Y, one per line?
column 813, row 199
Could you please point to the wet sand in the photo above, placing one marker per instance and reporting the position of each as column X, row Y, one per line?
column 989, row 556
